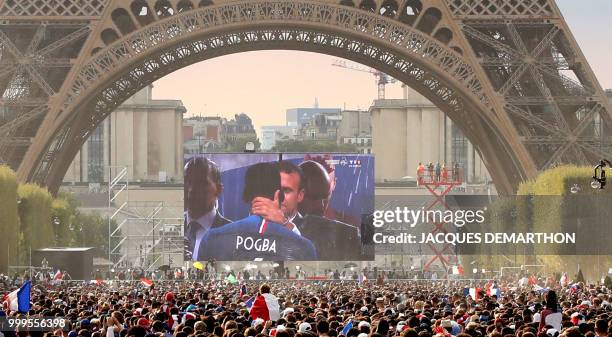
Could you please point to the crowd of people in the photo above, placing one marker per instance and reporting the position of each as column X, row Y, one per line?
column 321, row 308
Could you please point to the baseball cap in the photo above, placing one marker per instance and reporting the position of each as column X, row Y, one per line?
column 362, row 324
column 304, row 327
column 143, row 322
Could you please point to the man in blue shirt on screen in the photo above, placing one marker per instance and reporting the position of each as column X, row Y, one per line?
column 254, row 238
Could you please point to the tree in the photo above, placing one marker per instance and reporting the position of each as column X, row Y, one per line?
column 9, row 221
column 294, row 145
column 239, row 144
column 35, row 215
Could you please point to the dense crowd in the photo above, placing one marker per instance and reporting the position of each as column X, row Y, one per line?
column 321, row 308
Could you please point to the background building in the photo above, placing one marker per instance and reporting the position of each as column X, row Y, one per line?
column 202, row 134
column 142, row 134
column 238, row 128
column 322, row 126
column 356, row 128
column 270, row 134
column 412, row 130
column 299, row 116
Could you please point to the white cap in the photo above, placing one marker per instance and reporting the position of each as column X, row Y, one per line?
column 288, row 311
column 362, row 324
column 258, row 321
column 536, row 317
column 305, row 326
column 363, row 334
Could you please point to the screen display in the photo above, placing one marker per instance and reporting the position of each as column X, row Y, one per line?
column 277, row 206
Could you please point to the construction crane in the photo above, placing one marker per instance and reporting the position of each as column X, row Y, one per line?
column 382, row 79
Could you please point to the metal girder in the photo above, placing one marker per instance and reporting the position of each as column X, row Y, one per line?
column 15, row 141
column 539, row 100
column 29, row 68
column 80, row 33
column 453, row 74
column 6, row 128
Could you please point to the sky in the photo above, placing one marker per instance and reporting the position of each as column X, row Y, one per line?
column 264, row 84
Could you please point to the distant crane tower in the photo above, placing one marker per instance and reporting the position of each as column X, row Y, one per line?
column 382, row 79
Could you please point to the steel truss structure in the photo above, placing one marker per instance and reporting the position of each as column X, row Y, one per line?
column 508, row 72
column 144, row 236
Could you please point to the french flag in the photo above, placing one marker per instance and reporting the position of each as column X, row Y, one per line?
column 265, row 307
column 96, row 282
column 492, row 289
column 19, row 300
column 146, row 282
column 243, row 290
column 249, row 303
column 457, row 270
column 263, row 226
column 474, row 293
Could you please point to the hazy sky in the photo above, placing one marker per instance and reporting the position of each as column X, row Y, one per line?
column 264, row 84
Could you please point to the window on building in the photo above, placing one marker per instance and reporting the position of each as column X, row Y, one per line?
column 95, row 155
column 459, row 147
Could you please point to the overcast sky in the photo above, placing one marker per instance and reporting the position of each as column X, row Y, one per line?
column 264, row 84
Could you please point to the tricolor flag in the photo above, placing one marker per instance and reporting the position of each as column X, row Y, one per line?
column 146, row 282
column 58, row 275
column 19, row 300
column 249, row 302
column 347, row 327
column 492, row 289
column 474, row 293
column 243, row 290
column 458, row 270
column 96, row 282
column 265, row 307
column 263, row 226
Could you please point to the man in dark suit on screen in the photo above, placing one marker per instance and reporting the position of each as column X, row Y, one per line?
column 202, row 188
column 305, row 190
column 255, row 238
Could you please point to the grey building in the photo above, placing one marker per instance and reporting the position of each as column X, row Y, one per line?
column 299, row 116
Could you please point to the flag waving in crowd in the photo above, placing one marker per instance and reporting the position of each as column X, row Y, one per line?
column 265, row 305
column 19, row 300
column 243, row 290
column 146, row 282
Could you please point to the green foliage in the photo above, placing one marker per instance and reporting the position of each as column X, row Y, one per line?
column 579, row 276
column 294, row 145
column 608, row 281
column 9, row 221
column 35, row 216
column 91, row 230
column 239, row 144
column 547, row 205
column 38, row 221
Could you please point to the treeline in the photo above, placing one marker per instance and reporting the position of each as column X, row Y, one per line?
column 558, row 200
column 31, row 218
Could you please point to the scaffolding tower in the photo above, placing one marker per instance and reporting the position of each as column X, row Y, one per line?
column 141, row 234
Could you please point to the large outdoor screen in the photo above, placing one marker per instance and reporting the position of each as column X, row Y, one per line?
column 277, row 206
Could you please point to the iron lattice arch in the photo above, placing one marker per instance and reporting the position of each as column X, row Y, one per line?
column 499, row 68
